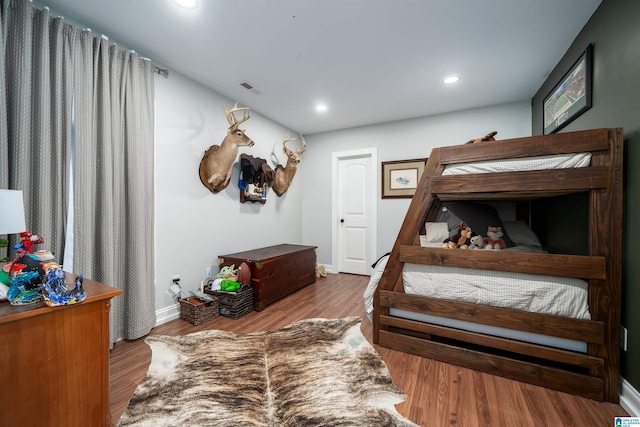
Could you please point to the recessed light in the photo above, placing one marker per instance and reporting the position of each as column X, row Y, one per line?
column 450, row 80
column 187, row 4
column 321, row 108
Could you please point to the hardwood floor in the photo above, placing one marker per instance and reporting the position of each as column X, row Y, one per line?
column 439, row 394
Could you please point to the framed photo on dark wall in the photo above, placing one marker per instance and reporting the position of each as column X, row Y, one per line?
column 400, row 178
column 571, row 96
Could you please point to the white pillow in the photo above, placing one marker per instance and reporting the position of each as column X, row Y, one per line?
column 436, row 232
column 521, row 234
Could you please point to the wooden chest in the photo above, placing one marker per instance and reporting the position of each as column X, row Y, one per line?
column 276, row 271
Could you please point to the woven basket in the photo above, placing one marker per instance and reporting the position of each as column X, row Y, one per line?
column 197, row 312
column 234, row 304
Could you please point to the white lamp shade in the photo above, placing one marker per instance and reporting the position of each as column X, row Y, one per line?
column 11, row 212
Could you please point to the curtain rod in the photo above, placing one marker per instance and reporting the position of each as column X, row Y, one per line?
column 162, row 71
column 156, row 69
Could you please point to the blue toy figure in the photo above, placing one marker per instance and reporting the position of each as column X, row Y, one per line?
column 56, row 291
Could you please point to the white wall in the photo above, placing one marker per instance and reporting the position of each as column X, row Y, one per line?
column 400, row 140
column 193, row 226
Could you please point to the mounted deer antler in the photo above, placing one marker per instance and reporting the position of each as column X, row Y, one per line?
column 231, row 117
column 284, row 175
column 218, row 160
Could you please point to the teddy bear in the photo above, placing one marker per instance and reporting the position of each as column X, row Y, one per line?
column 476, row 242
column 460, row 240
column 494, row 238
column 320, row 271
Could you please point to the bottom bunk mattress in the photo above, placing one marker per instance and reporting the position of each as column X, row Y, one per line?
column 552, row 295
column 558, row 296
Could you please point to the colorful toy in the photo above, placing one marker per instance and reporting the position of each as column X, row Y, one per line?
column 228, row 273
column 494, row 238
column 56, row 291
column 26, row 279
column 27, row 240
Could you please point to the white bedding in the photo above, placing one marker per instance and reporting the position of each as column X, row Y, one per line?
column 560, row 296
column 559, row 161
column 469, row 326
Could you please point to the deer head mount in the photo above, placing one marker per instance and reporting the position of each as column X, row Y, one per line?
column 284, row 175
column 218, row 160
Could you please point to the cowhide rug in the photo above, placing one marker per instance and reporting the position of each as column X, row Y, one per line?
column 315, row 372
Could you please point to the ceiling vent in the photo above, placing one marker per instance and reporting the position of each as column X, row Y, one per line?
column 250, row 87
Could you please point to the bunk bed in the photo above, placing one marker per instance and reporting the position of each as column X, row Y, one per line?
column 497, row 339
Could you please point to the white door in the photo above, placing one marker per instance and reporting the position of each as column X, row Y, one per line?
column 355, row 211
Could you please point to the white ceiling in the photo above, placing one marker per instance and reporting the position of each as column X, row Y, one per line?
column 370, row 61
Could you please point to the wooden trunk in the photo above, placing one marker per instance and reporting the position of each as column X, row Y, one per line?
column 276, row 271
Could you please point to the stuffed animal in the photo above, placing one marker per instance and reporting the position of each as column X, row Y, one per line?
column 320, row 271
column 476, row 242
column 494, row 238
column 487, row 137
column 228, row 273
column 460, row 240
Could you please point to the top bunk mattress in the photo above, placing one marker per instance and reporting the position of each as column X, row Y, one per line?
column 559, row 161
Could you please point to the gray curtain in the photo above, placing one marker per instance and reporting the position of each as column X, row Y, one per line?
column 70, row 99
column 37, row 85
column 113, row 201
column 4, row 135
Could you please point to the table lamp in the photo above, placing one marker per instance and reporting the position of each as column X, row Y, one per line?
column 11, row 212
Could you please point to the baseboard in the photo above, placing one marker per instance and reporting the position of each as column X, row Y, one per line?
column 166, row 314
column 629, row 398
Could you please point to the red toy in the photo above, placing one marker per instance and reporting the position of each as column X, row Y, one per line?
column 26, row 243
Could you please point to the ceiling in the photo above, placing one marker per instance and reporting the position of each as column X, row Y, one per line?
column 369, row 61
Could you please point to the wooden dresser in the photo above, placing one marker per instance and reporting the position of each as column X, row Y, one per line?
column 54, row 361
column 276, row 271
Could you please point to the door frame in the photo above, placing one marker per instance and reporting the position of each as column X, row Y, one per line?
column 372, row 200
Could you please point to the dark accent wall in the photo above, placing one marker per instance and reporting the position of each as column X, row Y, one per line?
column 614, row 30
column 567, row 233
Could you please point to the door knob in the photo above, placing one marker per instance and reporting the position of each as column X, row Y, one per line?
column 341, row 219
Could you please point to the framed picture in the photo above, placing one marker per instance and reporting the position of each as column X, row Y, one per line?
column 400, row 178
column 571, row 96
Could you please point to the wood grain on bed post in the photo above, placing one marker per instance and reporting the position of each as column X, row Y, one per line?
column 605, row 239
column 421, row 203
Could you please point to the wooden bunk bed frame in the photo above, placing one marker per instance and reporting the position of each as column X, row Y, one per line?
column 595, row 374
